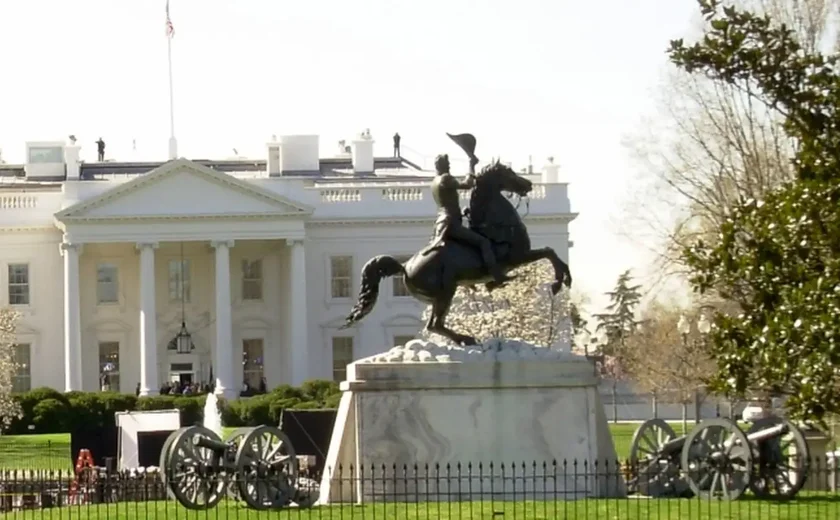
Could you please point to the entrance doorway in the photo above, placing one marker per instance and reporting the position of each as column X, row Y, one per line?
column 181, row 373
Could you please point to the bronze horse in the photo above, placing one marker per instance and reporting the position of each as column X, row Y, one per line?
column 434, row 273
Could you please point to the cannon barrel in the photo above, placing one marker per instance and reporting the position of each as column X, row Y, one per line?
column 674, row 446
column 768, row 433
column 212, row 444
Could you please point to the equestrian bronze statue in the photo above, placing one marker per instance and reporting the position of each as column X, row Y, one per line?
column 495, row 242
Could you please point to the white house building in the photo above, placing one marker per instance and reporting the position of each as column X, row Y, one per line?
column 257, row 260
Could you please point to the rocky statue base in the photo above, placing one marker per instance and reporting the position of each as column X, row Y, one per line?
column 428, row 422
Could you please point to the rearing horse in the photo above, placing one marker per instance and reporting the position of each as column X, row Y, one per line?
column 434, row 273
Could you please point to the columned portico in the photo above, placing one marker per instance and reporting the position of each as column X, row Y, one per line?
column 134, row 307
column 223, row 359
column 72, row 318
column 149, row 382
column 299, row 347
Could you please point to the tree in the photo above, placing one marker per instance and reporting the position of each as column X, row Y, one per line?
column 523, row 309
column 9, row 407
column 778, row 256
column 711, row 144
column 619, row 322
column 662, row 362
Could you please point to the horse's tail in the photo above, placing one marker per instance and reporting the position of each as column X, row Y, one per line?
column 373, row 272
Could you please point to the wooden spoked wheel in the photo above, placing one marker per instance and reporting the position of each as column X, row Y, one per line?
column 655, row 470
column 196, row 477
column 717, row 460
column 266, row 469
column 782, row 462
column 234, row 440
column 164, row 459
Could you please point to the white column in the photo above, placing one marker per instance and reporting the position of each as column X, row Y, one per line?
column 223, row 360
column 298, row 325
column 149, row 382
column 72, row 319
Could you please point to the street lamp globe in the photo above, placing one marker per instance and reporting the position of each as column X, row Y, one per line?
column 683, row 326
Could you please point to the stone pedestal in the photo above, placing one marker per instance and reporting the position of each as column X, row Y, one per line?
column 508, row 420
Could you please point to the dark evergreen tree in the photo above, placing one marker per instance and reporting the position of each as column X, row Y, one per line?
column 619, row 321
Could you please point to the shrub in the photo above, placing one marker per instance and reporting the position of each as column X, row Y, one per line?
column 50, row 415
column 28, row 401
column 53, row 412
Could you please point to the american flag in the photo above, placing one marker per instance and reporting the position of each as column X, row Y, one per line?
column 170, row 29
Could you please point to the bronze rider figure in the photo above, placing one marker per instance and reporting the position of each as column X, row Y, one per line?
column 449, row 223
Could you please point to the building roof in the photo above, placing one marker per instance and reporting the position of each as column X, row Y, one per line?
column 329, row 167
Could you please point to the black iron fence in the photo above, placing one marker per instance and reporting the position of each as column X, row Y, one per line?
column 556, row 490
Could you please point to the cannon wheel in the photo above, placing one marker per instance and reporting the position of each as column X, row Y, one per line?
column 654, row 472
column 196, row 476
column 266, row 469
column 234, row 440
column 717, row 460
column 164, row 458
column 779, row 472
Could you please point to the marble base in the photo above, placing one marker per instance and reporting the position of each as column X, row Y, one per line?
column 469, row 431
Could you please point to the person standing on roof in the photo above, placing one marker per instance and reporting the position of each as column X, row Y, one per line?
column 397, row 145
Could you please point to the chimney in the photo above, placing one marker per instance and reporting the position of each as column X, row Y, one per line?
column 72, row 164
column 363, row 153
column 272, row 163
column 296, row 154
column 551, row 172
column 45, row 160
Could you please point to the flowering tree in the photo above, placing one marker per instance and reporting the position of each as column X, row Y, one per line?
column 9, row 407
column 524, row 309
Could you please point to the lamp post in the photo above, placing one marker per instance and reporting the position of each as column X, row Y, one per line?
column 704, row 326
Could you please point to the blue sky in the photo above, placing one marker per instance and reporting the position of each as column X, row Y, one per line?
column 530, row 77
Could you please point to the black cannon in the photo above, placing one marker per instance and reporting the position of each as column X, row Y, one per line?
column 256, row 465
column 718, row 460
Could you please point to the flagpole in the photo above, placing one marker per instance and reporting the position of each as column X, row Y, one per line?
column 173, row 143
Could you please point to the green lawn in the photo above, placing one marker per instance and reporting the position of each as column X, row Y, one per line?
column 51, row 452
column 806, row 508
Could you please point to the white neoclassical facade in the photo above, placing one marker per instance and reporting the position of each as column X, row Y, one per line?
column 257, row 261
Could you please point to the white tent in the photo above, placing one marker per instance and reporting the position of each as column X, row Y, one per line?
column 132, row 423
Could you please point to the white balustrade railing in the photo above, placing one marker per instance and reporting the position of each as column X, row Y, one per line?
column 333, row 195
column 399, row 193
column 18, row 202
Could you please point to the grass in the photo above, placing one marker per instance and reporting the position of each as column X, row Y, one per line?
column 807, row 507
column 51, row 452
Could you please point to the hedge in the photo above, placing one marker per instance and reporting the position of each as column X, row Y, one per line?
column 50, row 411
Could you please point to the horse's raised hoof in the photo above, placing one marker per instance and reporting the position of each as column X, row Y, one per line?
column 555, row 287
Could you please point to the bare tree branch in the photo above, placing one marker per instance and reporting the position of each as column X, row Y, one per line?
column 712, row 145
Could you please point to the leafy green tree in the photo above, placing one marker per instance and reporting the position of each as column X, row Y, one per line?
column 778, row 257
column 619, row 322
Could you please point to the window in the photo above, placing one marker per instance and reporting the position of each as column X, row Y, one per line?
column 179, row 280
column 107, row 284
column 18, row 284
column 21, row 356
column 252, row 362
column 402, row 340
column 342, row 353
column 341, row 273
column 109, row 365
column 46, row 154
column 252, row 280
column 399, row 281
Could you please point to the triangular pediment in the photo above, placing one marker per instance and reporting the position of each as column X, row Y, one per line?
column 183, row 189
